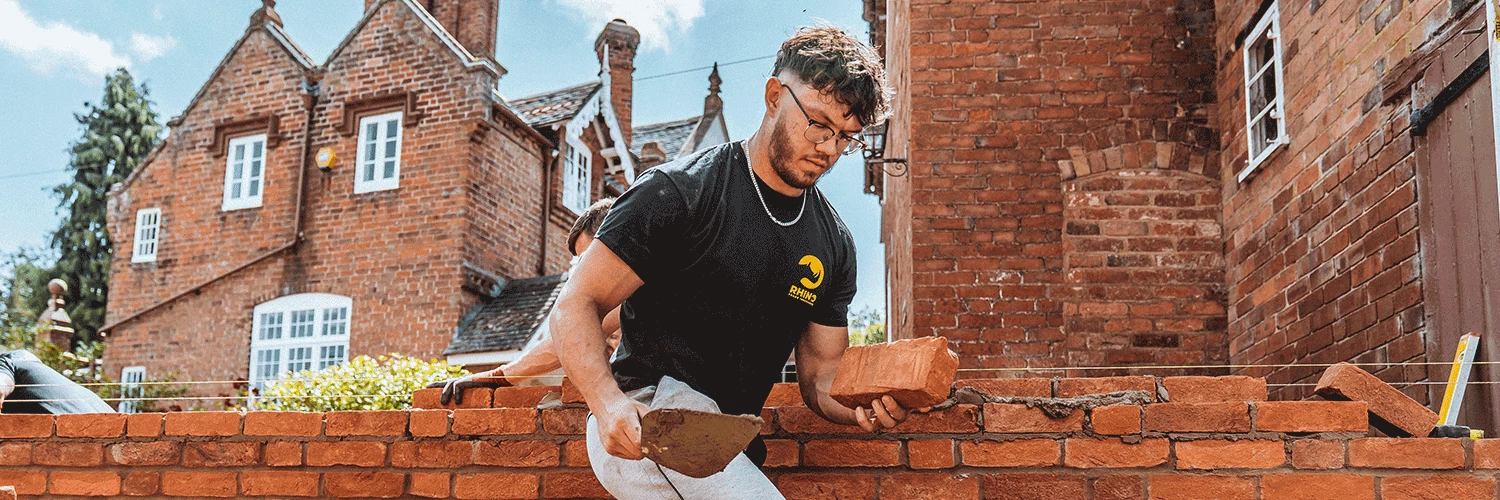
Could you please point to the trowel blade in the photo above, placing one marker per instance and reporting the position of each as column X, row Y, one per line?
column 695, row 443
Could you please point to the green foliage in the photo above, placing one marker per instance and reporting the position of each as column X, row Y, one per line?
column 391, row 379
column 24, row 295
column 117, row 136
column 866, row 327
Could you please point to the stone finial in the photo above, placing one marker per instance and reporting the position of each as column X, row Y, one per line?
column 57, row 326
column 713, row 102
column 266, row 14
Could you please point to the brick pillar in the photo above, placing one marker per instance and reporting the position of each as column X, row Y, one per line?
column 472, row 22
column 621, row 41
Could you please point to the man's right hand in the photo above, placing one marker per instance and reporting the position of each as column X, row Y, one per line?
column 620, row 427
column 453, row 389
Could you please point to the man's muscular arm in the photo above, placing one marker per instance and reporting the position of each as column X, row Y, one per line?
column 818, row 355
column 598, row 285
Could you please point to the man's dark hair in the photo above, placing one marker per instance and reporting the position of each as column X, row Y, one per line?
column 832, row 62
column 589, row 221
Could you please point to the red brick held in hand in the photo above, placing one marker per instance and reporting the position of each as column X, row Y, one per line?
column 1391, row 411
column 915, row 372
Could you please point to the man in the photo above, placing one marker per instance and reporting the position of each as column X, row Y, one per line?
column 539, row 359
column 33, row 387
column 725, row 261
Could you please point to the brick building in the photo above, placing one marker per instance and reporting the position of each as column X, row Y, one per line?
column 1086, row 187
column 301, row 213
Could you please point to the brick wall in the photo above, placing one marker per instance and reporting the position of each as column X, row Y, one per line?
column 1321, row 244
column 1218, row 439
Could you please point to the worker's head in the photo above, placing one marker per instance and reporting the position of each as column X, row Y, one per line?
column 587, row 224
column 825, row 88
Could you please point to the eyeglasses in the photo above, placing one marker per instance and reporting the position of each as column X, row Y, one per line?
column 819, row 133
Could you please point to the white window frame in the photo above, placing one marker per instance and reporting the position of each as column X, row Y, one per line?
column 245, row 192
column 131, row 378
column 147, row 235
column 1269, row 27
column 322, row 339
column 371, row 162
column 578, row 171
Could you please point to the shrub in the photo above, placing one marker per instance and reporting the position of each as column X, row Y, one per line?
column 363, row 383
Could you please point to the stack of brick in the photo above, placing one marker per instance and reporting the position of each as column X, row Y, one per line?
column 1207, row 438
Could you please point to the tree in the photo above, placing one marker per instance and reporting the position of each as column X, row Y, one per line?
column 117, row 135
column 24, row 294
column 866, row 327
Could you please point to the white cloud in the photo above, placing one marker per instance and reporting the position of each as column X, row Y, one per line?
column 655, row 19
column 159, row 12
column 55, row 46
column 148, row 47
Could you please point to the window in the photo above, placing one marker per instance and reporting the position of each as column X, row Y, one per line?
column 1265, row 98
column 308, row 331
column 147, row 234
column 130, row 387
column 577, row 168
column 379, row 166
column 244, row 172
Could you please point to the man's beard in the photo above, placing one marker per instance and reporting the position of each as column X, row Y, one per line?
column 779, row 149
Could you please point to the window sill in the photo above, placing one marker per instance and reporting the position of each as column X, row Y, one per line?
column 1255, row 165
column 239, row 206
column 374, row 189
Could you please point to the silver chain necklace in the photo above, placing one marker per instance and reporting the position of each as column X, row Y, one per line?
column 762, row 197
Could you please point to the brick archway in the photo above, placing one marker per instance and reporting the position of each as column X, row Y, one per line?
column 1163, row 155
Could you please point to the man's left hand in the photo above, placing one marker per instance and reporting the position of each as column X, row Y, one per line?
column 883, row 413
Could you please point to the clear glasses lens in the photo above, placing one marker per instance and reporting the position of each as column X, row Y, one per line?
column 817, row 133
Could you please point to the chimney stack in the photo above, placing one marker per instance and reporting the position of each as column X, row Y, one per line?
column 471, row 22
column 615, row 48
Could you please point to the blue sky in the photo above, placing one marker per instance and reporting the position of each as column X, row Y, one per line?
column 53, row 54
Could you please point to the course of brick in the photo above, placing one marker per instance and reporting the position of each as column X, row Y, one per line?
column 1228, row 449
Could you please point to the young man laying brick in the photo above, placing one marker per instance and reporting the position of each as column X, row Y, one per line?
column 725, row 261
column 540, row 359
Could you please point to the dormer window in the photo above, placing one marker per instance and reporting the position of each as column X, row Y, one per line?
column 577, row 173
column 379, row 162
column 244, row 172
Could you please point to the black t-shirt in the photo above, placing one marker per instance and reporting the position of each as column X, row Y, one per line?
column 727, row 293
column 36, row 381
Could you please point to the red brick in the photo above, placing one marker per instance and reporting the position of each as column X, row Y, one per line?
column 144, row 424
column 15, row 425
column 431, row 484
column 80, row 483
column 436, row 454
column 826, row 486
column 1407, row 453
column 474, row 397
column 283, row 423
column 220, row 454
column 496, row 486
column 1242, row 454
column 203, row 423
column 929, row 486
column 570, row 392
column 198, row 484
column 283, row 453
column 565, row 421
column 1304, row 486
column 851, row 453
column 355, row 453
column 1018, row 419
column 7, row 493
column 1123, row 487
column 1214, row 389
column 1311, row 416
column 1391, row 411
column 1486, row 453
column 928, row 453
column 141, row 483
column 279, row 483
column 1112, row 453
column 91, row 425
column 1193, row 487
column 429, row 423
column 1434, row 487
column 146, row 453
column 366, row 423
column 573, row 485
column 576, row 453
column 801, row 420
column 517, row 453
column 782, row 453
column 67, row 454
column 367, row 484
column 784, row 394
column 1033, row 486
column 1116, row 420
column 522, row 396
column 15, row 453
column 1019, row 453
column 1072, row 387
column 27, row 482
column 1317, row 454
column 1198, row 417
column 489, row 421
column 916, row 372
column 1009, row 387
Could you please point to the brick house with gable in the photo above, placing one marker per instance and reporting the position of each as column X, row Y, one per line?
column 1194, row 183
column 300, row 214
